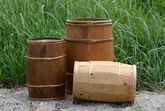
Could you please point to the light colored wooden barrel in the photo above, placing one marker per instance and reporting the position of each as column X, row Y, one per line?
column 104, row 81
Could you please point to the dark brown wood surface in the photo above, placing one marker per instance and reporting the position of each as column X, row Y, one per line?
column 45, row 69
column 87, row 39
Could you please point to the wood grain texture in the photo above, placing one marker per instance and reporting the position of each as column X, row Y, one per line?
column 104, row 81
column 45, row 68
column 87, row 39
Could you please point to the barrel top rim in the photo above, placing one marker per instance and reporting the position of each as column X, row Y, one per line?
column 44, row 40
column 88, row 20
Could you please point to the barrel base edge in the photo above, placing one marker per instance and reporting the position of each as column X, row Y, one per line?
column 45, row 99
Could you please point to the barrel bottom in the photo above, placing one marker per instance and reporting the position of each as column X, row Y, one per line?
column 45, row 99
column 46, row 93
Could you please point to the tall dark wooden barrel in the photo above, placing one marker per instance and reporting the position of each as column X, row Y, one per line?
column 87, row 39
column 45, row 68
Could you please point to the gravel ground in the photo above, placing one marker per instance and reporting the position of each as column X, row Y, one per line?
column 17, row 100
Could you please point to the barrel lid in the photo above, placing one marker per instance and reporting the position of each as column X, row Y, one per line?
column 45, row 41
column 88, row 21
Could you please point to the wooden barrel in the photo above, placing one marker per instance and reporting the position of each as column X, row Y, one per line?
column 104, row 81
column 45, row 68
column 87, row 39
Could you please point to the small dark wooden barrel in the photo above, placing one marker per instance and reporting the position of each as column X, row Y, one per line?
column 45, row 68
column 87, row 39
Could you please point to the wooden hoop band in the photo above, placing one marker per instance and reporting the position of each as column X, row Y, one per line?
column 88, row 40
column 41, row 86
column 89, row 79
column 44, row 99
column 46, row 43
column 69, row 74
column 88, row 23
column 53, row 58
column 118, row 80
column 134, row 81
column 88, row 20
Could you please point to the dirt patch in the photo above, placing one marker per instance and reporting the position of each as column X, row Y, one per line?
column 17, row 100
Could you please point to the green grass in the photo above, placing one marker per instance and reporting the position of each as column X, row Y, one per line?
column 138, row 31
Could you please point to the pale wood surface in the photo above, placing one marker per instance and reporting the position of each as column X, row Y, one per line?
column 104, row 81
